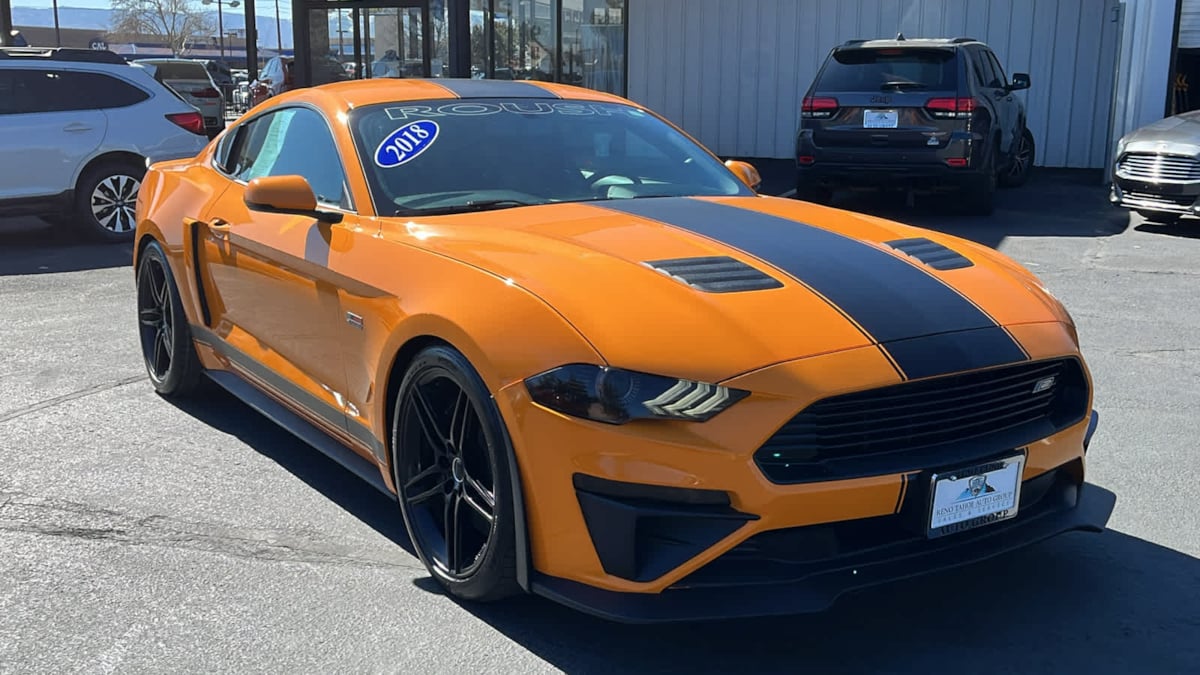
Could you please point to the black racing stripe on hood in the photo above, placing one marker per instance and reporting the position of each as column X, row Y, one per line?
column 463, row 88
column 893, row 300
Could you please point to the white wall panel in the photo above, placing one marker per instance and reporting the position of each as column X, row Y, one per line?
column 733, row 72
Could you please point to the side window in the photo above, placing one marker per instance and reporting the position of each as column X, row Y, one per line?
column 979, row 66
column 1001, row 78
column 293, row 141
column 97, row 90
column 13, row 100
column 33, row 91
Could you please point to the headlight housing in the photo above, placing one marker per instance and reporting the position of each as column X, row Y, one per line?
column 617, row 396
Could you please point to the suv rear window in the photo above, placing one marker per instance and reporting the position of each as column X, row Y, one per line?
column 188, row 70
column 877, row 69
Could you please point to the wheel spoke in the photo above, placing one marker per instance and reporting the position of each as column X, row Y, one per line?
column 453, row 533
column 151, row 316
column 459, row 421
column 427, row 421
column 160, row 293
column 484, row 495
column 160, row 354
column 426, row 495
column 477, row 507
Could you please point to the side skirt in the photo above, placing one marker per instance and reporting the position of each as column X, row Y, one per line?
column 301, row 428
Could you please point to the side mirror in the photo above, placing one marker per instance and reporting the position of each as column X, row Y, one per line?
column 286, row 194
column 1019, row 81
column 746, row 172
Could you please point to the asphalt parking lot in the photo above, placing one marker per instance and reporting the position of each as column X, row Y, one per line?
column 140, row 535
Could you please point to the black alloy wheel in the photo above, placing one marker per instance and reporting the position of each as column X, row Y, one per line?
column 1022, row 161
column 452, row 476
column 166, row 340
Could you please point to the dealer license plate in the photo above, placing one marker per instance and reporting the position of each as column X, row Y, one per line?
column 880, row 119
column 975, row 496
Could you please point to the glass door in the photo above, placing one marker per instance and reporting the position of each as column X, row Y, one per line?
column 355, row 39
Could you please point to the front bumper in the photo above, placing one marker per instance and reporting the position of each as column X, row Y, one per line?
column 1181, row 198
column 774, row 573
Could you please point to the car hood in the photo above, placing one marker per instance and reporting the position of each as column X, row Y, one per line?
column 1179, row 134
column 710, row 288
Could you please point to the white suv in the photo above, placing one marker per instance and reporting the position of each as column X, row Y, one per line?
column 77, row 130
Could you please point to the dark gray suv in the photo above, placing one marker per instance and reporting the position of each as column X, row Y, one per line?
column 915, row 115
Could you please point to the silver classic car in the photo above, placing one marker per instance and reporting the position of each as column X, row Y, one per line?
column 1157, row 171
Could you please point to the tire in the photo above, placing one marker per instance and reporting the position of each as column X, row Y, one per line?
column 1018, row 170
column 105, row 198
column 1160, row 217
column 452, row 475
column 163, row 331
column 979, row 192
column 816, row 194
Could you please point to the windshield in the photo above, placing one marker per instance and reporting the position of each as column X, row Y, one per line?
column 881, row 69
column 457, row 155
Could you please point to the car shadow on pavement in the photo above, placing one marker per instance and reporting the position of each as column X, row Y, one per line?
column 222, row 411
column 29, row 246
column 1185, row 228
column 1078, row 603
column 1054, row 203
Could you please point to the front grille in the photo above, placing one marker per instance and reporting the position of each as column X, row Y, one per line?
column 928, row 423
column 1171, row 201
column 1153, row 168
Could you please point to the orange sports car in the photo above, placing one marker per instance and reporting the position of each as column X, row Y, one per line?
column 591, row 363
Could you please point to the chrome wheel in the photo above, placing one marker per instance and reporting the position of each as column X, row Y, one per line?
column 447, row 475
column 113, row 202
column 157, row 322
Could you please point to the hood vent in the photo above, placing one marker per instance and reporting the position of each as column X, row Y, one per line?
column 716, row 274
column 931, row 253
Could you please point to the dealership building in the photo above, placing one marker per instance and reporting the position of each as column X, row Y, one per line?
column 733, row 72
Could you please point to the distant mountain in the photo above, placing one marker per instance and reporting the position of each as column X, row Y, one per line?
column 101, row 20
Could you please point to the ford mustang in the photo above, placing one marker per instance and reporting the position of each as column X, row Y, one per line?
column 589, row 361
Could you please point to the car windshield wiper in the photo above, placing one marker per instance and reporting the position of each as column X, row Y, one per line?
column 476, row 205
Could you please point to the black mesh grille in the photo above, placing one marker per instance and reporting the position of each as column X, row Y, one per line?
column 931, row 253
column 926, row 423
column 715, row 274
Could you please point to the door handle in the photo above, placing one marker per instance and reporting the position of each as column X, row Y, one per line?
column 218, row 225
column 77, row 126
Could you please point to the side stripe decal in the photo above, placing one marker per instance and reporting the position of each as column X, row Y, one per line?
column 464, row 88
column 331, row 415
column 925, row 326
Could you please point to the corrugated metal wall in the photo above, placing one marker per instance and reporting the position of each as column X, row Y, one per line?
column 1189, row 24
column 733, row 73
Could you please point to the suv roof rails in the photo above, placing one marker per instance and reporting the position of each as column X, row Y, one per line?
column 62, row 54
column 960, row 40
column 851, row 43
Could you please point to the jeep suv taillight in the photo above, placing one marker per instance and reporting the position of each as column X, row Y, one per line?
column 818, row 107
column 192, row 121
column 207, row 92
column 951, row 108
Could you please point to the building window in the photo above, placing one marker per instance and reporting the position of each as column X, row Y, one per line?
column 519, row 40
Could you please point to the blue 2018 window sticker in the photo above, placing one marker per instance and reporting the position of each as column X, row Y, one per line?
column 404, row 144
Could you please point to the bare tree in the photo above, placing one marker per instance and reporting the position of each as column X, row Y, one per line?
column 176, row 22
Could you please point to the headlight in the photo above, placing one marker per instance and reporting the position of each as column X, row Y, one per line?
column 616, row 396
column 1120, row 148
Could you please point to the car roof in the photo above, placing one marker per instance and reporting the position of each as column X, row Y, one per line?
column 347, row 95
column 901, row 42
